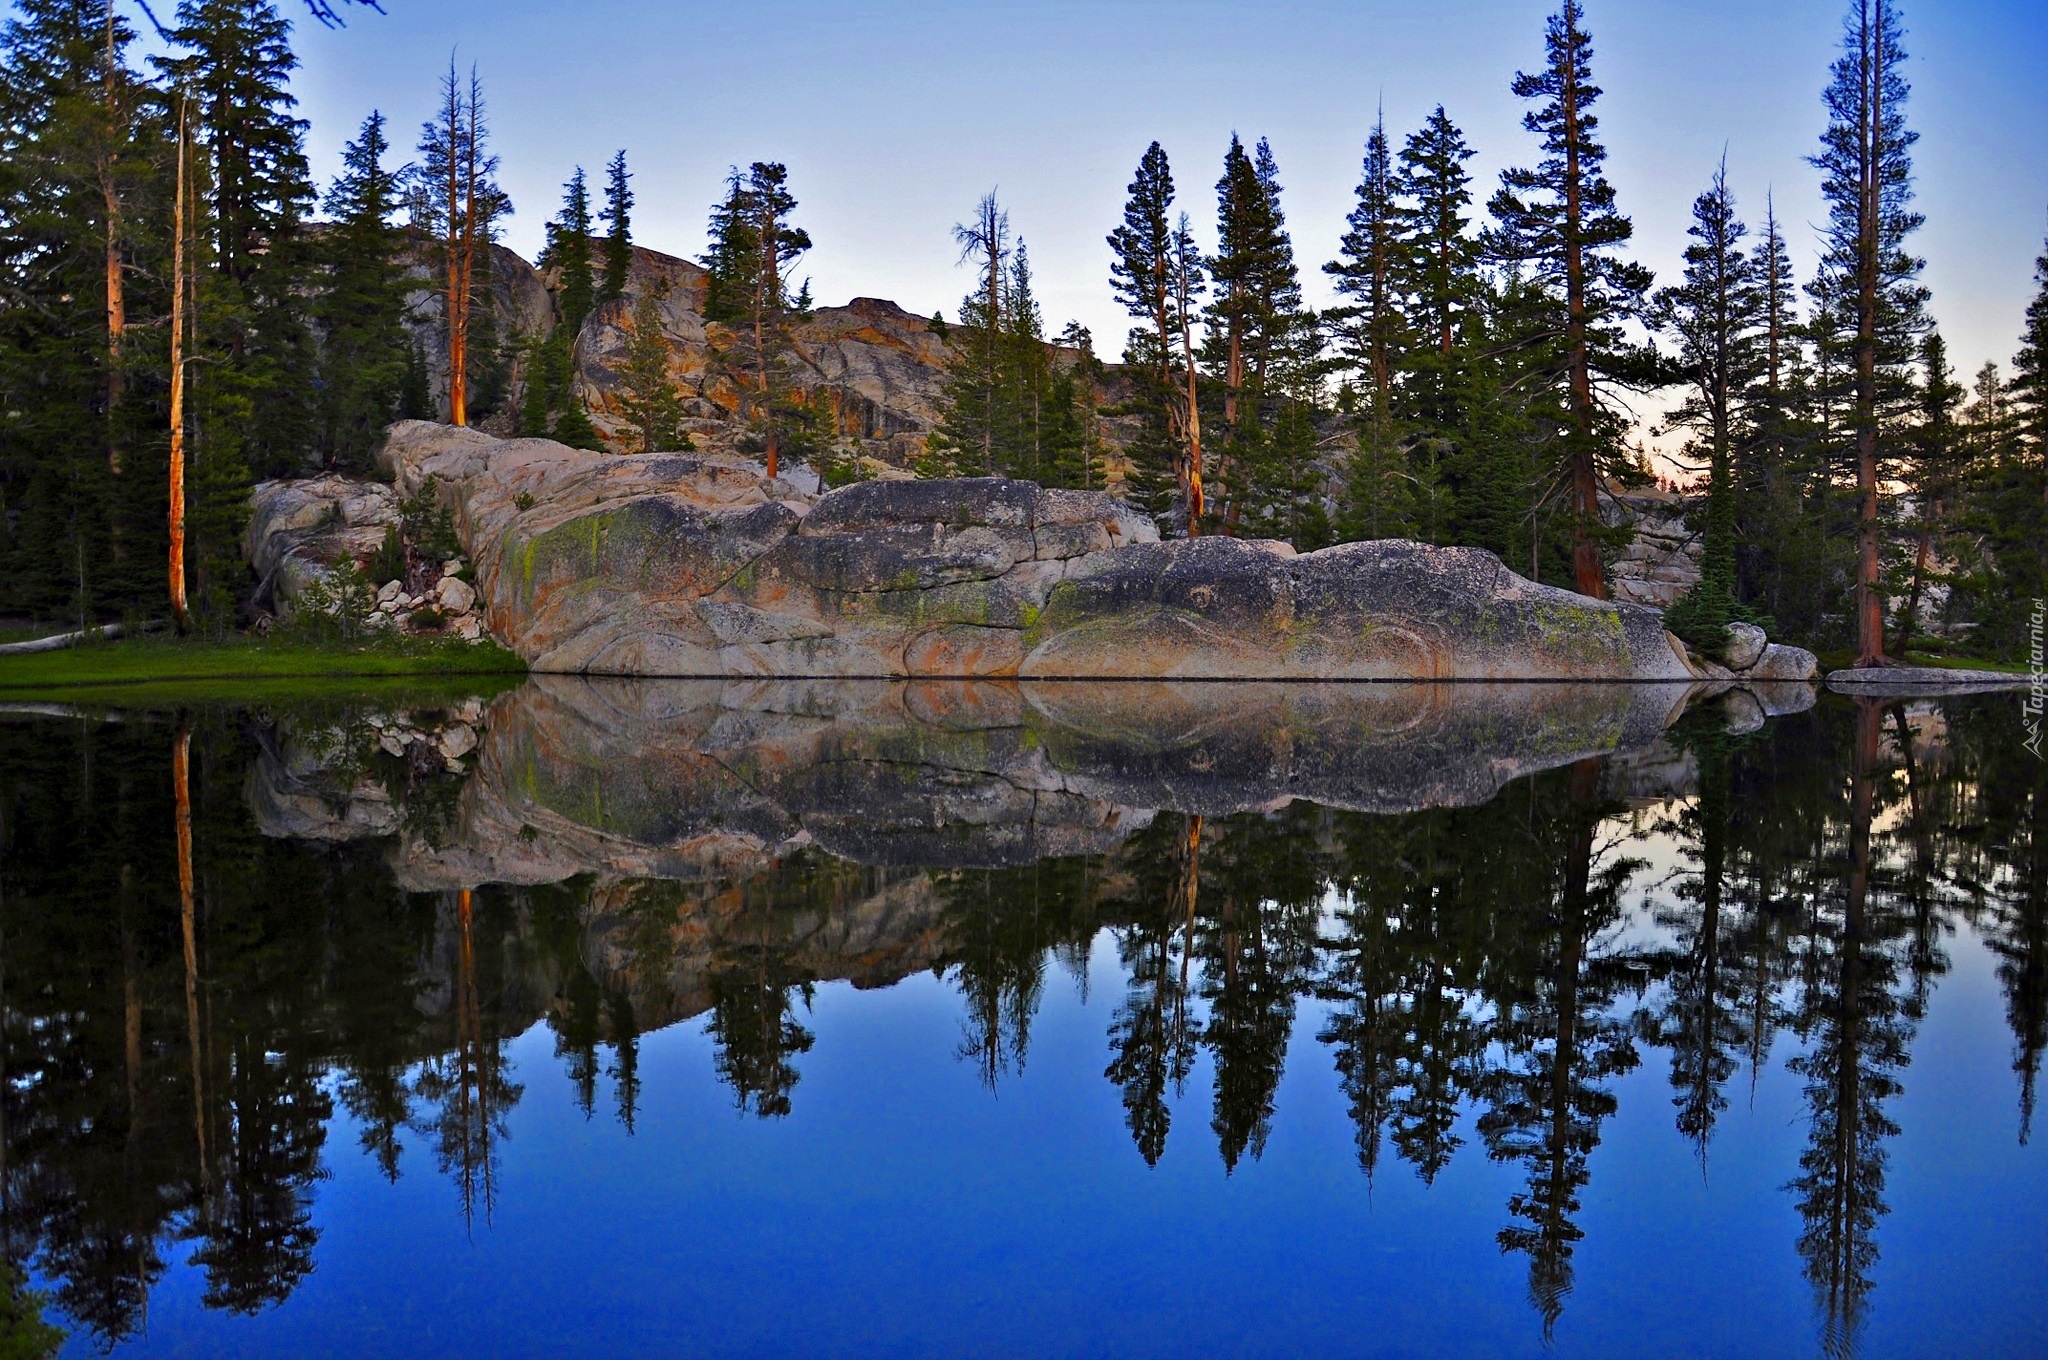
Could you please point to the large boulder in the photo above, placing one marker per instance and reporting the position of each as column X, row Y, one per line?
column 700, row 564
column 1220, row 608
column 298, row 530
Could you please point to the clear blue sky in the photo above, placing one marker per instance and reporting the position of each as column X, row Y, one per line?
column 894, row 118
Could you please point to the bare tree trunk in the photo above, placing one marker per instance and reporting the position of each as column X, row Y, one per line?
column 458, row 412
column 1194, row 431
column 177, row 510
column 767, row 287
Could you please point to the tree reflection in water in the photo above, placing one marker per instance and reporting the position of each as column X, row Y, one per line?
column 184, row 1000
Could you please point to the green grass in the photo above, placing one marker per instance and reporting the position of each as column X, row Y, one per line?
column 250, row 667
column 1965, row 663
column 1845, row 659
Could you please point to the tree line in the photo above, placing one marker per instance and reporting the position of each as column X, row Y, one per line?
column 184, row 314
column 1471, row 385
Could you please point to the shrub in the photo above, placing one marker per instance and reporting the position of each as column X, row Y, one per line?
column 388, row 562
column 334, row 608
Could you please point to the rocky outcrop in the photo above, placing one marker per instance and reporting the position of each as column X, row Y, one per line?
column 698, row 564
column 1661, row 562
column 298, row 530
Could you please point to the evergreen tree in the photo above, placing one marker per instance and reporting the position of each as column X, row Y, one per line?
column 2030, row 375
column 1157, row 274
column 1038, row 450
column 568, row 251
column 618, row 239
column 1558, row 220
column 1373, row 341
column 236, row 66
column 83, row 145
column 647, row 394
column 1933, row 469
column 763, row 307
column 549, row 406
column 1717, row 315
column 975, row 392
column 1245, row 252
column 731, row 253
column 1436, row 260
column 361, row 307
column 1866, row 165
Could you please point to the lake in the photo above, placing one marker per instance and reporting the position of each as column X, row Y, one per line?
column 929, row 1019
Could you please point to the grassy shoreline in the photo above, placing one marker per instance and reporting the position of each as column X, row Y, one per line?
column 248, row 663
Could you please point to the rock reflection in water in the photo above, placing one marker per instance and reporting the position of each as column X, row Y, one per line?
column 1435, row 877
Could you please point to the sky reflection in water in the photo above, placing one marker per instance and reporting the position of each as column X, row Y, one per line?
column 1651, row 1051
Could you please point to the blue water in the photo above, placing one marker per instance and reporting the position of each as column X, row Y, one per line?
column 906, row 1211
column 903, row 1206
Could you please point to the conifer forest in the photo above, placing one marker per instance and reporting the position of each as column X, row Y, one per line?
column 186, row 313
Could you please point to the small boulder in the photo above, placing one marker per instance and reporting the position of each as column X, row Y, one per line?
column 455, row 595
column 456, row 741
column 389, row 591
column 1745, row 646
column 1780, row 662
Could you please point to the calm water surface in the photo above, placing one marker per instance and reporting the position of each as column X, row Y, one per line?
column 630, row 1019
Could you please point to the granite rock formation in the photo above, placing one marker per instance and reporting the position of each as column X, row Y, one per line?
column 698, row 564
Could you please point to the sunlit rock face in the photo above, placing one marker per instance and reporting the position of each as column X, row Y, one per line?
column 704, row 780
column 700, row 565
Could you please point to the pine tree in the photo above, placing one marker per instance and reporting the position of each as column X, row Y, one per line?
column 1373, row 341
column 460, row 203
column 618, row 239
column 1717, row 316
column 1157, row 274
column 549, row 406
column 1866, row 164
column 758, row 303
column 1559, row 221
column 727, row 262
column 2030, row 374
column 1933, row 469
column 361, row 306
column 975, row 392
column 568, row 251
column 1244, row 248
column 648, row 395
column 236, row 66
column 1027, row 372
column 84, row 150
column 1436, row 261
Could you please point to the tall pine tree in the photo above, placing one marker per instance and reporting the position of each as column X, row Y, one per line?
column 1717, row 316
column 1867, row 172
column 1373, row 341
column 361, row 305
column 1558, row 221
column 618, row 238
column 1156, row 274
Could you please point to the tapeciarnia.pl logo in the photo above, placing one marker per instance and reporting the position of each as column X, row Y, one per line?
column 2037, row 676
